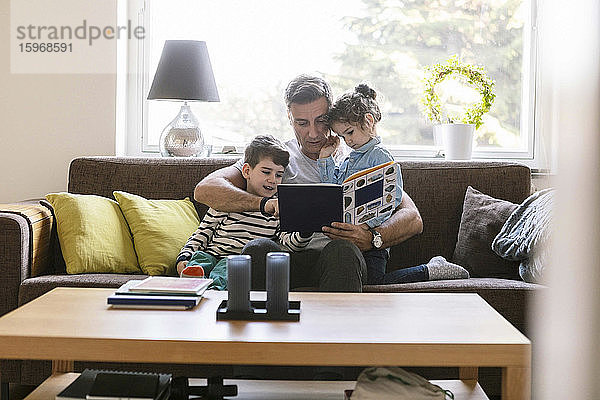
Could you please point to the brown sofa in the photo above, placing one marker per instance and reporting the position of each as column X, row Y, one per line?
column 31, row 262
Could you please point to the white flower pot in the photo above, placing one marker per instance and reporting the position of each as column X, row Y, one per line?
column 457, row 140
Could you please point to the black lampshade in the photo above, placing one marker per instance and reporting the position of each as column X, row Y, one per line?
column 184, row 73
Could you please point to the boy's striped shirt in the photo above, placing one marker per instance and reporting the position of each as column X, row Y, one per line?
column 223, row 234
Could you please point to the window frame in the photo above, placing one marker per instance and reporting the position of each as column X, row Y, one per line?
column 133, row 82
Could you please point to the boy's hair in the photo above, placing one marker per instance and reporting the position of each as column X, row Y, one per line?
column 305, row 89
column 266, row 146
column 352, row 107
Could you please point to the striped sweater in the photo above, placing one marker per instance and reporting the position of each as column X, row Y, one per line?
column 222, row 234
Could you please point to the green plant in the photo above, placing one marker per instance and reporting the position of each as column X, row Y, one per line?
column 474, row 75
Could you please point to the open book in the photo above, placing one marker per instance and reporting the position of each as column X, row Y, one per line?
column 366, row 195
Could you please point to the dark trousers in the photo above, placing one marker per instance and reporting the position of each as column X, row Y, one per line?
column 339, row 267
column 376, row 261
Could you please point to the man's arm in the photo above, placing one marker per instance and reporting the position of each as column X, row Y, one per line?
column 403, row 224
column 224, row 190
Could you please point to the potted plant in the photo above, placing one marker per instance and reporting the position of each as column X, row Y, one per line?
column 457, row 129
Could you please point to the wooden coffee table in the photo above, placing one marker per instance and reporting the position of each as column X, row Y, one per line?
column 346, row 329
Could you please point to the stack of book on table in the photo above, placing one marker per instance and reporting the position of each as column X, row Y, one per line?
column 160, row 292
column 95, row 384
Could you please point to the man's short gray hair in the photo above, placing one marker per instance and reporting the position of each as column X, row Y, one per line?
column 305, row 89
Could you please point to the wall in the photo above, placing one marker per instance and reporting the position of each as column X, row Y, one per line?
column 46, row 120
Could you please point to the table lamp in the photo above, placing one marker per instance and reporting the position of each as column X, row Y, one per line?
column 184, row 73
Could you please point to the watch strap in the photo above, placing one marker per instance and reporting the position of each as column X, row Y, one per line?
column 263, row 201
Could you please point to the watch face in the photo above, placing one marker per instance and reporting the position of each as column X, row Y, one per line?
column 377, row 241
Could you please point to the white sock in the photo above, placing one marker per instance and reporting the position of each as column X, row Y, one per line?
column 440, row 269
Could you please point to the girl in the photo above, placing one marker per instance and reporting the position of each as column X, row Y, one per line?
column 354, row 117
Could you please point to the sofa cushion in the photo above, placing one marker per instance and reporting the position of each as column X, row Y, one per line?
column 482, row 218
column 160, row 228
column 509, row 297
column 34, row 287
column 93, row 234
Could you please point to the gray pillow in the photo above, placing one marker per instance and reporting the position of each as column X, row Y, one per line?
column 482, row 218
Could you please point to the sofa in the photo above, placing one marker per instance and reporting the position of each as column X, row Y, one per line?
column 31, row 262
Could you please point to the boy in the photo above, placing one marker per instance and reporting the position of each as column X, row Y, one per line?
column 222, row 234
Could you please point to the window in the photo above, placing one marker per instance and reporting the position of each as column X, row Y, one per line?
column 257, row 47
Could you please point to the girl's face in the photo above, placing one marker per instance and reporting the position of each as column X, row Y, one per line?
column 355, row 135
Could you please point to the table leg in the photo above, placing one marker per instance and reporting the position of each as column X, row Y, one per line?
column 468, row 373
column 516, row 383
column 62, row 366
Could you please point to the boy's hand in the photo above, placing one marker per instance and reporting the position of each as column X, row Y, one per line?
column 180, row 266
column 333, row 142
column 272, row 207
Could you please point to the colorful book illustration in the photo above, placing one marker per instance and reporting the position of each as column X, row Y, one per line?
column 362, row 197
column 370, row 193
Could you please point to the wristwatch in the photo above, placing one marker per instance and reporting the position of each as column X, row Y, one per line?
column 263, row 202
column 377, row 241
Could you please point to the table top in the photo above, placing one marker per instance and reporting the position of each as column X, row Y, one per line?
column 410, row 329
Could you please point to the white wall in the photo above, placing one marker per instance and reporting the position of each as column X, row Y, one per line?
column 47, row 120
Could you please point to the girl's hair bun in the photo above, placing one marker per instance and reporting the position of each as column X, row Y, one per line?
column 366, row 91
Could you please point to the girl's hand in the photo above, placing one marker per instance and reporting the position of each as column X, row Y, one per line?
column 332, row 144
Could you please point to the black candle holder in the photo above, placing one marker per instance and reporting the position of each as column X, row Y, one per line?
column 258, row 312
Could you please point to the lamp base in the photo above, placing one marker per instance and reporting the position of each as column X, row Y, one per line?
column 182, row 136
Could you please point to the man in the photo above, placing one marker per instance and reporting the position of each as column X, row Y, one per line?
column 332, row 261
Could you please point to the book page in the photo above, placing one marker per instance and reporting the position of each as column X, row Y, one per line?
column 370, row 193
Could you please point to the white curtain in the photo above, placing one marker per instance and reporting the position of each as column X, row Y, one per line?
column 566, row 362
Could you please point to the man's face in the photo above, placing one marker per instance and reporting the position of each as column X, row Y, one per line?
column 310, row 125
column 262, row 180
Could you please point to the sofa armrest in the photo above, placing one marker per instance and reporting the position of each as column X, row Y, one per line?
column 25, row 231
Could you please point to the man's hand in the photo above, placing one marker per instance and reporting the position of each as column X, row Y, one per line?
column 357, row 234
column 272, row 207
column 332, row 144
column 180, row 266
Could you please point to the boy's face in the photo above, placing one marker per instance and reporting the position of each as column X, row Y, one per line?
column 262, row 180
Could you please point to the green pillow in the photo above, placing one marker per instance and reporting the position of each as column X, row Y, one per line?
column 93, row 234
column 160, row 228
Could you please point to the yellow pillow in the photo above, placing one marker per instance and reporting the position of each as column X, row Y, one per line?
column 93, row 234
column 160, row 228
